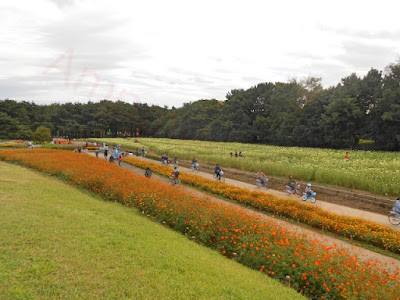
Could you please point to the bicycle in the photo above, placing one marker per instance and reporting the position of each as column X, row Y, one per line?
column 196, row 167
column 262, row 184
column 221, row 176
column 173, row 180
column 290, row 191
column 394, row 218
column 311, row 197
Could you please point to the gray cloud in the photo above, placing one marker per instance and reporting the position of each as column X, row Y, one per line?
column 362, row 56
column 94, row 43
column 364, row 34
column 63, row 3
column 330, row 72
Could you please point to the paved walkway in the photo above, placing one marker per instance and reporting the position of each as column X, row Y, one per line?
column 338, row 209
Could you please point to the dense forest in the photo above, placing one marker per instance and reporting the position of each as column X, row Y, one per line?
column 294, row 113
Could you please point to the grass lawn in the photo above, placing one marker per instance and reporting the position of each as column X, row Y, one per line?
column 60, row 242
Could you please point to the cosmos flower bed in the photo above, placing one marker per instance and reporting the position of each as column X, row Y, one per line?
column 350, row 227
column 316, row 270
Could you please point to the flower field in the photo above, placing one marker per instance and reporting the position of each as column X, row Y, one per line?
column 354, row 228
column 316, row 270
column 5, row 145
column 376, row 172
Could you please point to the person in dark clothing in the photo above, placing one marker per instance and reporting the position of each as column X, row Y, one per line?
column 217, row 172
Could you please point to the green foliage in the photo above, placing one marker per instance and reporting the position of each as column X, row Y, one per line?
column 57, row 146
column 42, row 134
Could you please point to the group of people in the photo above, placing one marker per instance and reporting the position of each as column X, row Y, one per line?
column 114, row 155
column 236, row 154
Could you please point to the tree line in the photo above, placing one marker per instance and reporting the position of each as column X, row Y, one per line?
column 293, row 113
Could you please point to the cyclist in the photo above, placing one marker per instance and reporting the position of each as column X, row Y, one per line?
column 308, row 190
column 195, row 164
column 261, row 177
column 291, row 183
column 396, row 206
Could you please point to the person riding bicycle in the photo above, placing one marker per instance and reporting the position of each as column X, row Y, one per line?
column 195, row 164
column 396, row 206
column 308, row 190
column 261, row 176
column 175, row 175
column 291, row 183
column 217, row 172
column 164, row 158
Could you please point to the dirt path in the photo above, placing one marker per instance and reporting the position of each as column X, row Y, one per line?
column 385, row 262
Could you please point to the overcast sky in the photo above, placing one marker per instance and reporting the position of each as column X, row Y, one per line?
column 172, row 52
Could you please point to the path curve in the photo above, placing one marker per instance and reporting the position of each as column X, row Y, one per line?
column 335, row 208
column 385, row 262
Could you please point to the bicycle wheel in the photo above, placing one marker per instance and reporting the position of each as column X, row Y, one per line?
column 222, row 179
column 313, row 200
column 394, row 218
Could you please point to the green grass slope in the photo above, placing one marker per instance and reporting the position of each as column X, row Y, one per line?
column 60, row 242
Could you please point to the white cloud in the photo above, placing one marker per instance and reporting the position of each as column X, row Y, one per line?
column 170, row 52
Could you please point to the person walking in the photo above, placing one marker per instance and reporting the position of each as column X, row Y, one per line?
column 119, row 160
column 97, row 153
column 217, row 172
column 347, row 157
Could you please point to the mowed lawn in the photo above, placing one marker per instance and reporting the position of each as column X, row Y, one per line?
column 57, row 241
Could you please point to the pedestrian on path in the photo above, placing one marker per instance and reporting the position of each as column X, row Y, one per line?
column 119, row 160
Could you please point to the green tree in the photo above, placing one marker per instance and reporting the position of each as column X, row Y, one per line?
column 42, row 134
column 342, row 118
